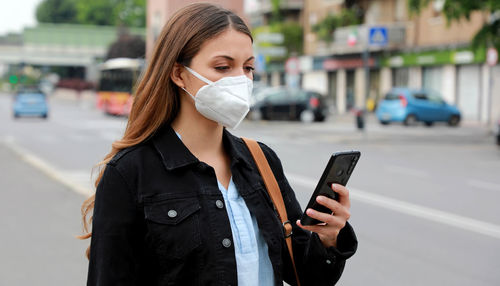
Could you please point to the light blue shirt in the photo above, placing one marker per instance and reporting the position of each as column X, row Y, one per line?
column 252, row 259
column 253, row 265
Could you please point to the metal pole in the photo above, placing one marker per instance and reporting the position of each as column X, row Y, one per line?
column 490, row 87
column 366, row 64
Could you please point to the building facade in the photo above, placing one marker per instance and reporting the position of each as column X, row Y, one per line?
column 159, row 11
column 419, row 51
column 78, row 48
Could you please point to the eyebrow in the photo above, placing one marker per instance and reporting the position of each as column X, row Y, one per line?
column 231, row 59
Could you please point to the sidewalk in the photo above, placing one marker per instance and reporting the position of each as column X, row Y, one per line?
column 39, row 219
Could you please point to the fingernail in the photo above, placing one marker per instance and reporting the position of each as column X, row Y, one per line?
column 320, row 198
column 310, row 211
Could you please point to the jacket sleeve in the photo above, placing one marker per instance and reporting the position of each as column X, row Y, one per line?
column 114, row 247
column 316, row 265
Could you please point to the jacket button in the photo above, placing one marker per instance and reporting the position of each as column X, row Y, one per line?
column 172, row 213
column 226, row 242
column 219, row 204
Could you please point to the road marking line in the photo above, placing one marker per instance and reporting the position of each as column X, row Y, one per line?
column 430, row 214
column 483, row 185
column 45, row 167
column 407, row 171
column 462, row 222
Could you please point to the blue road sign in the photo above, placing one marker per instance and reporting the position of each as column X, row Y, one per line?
column 260, row 63
column 378, row 36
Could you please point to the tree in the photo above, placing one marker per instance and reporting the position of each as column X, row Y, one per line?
column 455, row 10
column 326, row 27
column 127, row 46
column 56, row 11
column 352, row 13
column 292, row 36
column 96, row 12
column 130, row 13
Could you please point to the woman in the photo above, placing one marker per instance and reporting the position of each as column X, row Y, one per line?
column 180, row 200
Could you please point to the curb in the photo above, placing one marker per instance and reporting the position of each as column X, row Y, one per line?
column 45, row 167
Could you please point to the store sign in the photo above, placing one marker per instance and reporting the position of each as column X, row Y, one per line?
column 397, row 61
column 426, row 60
column 333, row 64
column 464, row 57
column 436, row 58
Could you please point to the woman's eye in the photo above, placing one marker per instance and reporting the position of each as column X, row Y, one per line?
column 221, row 68
column 250, row 68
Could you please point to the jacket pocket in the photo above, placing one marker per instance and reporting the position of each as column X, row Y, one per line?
column 173, row 226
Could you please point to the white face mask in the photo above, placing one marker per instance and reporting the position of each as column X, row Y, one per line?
column 226, row 101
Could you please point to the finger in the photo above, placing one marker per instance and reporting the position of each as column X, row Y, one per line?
column 331, row 204
column 328, row 230
column 343, row 193
column 313, row 228
column 323, row 217
column 336, row 208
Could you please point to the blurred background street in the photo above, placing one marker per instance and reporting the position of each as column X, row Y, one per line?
column 412, row 84
column 424, row 200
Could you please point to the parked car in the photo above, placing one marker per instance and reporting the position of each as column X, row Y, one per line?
column 288, row 104
column 413, row 105
column 258, row 87
column 30, row 102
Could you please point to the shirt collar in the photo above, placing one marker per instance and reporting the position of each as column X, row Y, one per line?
column 175, row 154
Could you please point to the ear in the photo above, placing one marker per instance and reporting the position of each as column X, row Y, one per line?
column 178, row 75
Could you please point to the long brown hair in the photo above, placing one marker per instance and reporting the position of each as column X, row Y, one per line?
column 157, row 97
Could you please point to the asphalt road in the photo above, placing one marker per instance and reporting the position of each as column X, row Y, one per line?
column 424, row 200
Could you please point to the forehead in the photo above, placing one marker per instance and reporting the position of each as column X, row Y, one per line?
column 230, row 43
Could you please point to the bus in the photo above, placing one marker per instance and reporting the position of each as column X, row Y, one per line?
column 116, row 85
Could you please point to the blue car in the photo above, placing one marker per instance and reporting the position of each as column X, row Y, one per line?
column 410, row 106
column 30, row 103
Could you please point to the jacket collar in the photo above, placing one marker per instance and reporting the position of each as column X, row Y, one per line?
column 175, row 154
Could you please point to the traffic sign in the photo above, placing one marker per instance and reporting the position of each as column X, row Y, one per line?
column 492, row 57
column 271, row 38
column 378, row 36
column 260, row 63
column 292, row 65
column 272, row 51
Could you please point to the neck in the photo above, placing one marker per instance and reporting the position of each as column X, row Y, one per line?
column 201, row 135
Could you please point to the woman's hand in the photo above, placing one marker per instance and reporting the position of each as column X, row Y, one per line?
column 334, row 222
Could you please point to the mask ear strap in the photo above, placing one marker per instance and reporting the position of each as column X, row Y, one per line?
column 199, row 76
column 188, row 93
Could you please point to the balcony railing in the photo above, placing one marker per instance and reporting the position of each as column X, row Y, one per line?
column 354, row 39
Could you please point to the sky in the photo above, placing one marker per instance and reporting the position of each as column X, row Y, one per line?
column 17, row 15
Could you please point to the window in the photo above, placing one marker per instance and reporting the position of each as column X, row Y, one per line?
column 392, row 96
column 400, row 10
column 277, row 96
column 420, row 96
column 435, row 97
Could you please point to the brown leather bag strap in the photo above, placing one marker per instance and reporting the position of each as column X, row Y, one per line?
column 274, row 192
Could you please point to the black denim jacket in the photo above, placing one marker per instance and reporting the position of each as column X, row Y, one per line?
column 160, row 219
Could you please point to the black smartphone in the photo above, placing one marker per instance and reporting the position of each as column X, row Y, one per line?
column 337, row 171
